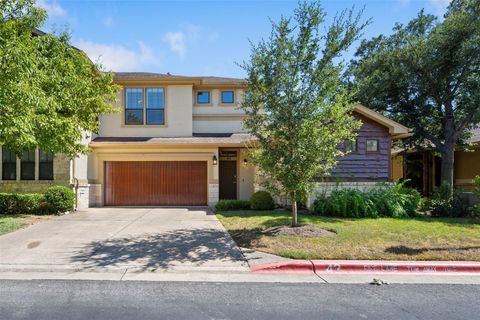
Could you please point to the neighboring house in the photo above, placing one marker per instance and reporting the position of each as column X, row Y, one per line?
column 423, row 167
column 179, row 140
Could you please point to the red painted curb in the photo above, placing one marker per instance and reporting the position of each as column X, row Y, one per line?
column 369, row 266
column 294, row 266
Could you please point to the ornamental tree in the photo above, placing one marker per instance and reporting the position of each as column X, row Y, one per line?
column 50, row 92
column 297, row 108
column 426, row 75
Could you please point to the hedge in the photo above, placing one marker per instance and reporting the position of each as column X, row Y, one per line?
column 55, row 200
column 262, row 200
column 232, row 205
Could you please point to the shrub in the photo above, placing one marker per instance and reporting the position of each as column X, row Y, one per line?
column 11, row 203
column 381, row 201
column 446, row 202
column 262, row 200
column 232, row 205
column 59, row 199
column 476, row 192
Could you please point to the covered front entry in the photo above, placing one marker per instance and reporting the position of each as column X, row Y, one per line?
column 151, row 183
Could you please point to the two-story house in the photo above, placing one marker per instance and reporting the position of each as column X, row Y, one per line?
column 179, row 140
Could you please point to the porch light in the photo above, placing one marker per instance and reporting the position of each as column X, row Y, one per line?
column 245, row 162
column 214, row 159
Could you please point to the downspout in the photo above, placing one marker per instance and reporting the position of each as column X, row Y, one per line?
column 75, row 183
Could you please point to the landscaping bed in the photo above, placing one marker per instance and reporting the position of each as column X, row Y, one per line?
column 421, row 238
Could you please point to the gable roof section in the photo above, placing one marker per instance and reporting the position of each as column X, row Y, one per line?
column 396, row 130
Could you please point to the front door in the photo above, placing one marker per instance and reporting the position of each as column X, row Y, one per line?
column 228, row 179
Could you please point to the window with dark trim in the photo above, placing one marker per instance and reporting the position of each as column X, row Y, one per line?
column 227, row 97
column 9, row 165
column 203, row 97
column 45, row 165
column 351, row 146
column 134, row 106
column 155, row 106
column 372, row 145
column 27, row 165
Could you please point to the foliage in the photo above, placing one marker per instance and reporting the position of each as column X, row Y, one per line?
column 51, row 94
column 232, row 205
column 262, row 200
column 33, row 203
column 476, row 192
column 297, row 108
column 446, row 202
column 381, row 201
column 59, row 199
column 426, row 75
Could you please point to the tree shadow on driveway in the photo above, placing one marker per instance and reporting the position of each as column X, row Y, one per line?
column 193, row 247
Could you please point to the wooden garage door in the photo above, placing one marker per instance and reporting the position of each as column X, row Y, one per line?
column 167, row 183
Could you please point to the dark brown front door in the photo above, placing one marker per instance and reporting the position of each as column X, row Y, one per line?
column 228, row 179
column 170, row 183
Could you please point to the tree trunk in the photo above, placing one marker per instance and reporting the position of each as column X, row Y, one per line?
column 294, row 210
column 447, row 153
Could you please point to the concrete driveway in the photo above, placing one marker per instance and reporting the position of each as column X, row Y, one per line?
column 109, row 239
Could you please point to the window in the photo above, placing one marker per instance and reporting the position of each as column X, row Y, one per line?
column 9, row 165
column 372, row 145
column 144, row 106
column 134, row 106
column 45, row 165
column 27, row 167
column 155, row 106
column 227, row 97
column 351, row 146
column 203, row 97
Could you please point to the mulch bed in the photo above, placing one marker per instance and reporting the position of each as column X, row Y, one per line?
column 305, row 230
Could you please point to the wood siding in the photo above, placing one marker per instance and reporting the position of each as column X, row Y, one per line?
column 170, row 183
column 363, row 165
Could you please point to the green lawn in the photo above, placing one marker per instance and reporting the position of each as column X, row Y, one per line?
column 383, row 238
column 13, row 222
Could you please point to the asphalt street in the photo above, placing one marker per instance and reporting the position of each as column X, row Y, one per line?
column 59, row 299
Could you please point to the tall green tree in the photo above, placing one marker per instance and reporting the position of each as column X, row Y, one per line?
column 427, row 76
column 297, row 107
column 50, row 92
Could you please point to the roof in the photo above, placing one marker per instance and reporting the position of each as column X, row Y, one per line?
column 396, row 130
column 213, row 139
column 200, row 80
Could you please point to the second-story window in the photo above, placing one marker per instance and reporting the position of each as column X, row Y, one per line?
column 155, row 106
column 227, row 97
column 203, row 97
column 27, row 168
column 144, row 106
column 134, row 106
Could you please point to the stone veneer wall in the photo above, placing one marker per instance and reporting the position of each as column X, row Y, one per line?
column 61, row 176
column 326, row 188
column 212, row 194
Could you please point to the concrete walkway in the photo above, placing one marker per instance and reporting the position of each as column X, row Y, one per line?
column 121, row 239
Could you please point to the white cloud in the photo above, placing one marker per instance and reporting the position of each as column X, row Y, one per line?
column 188, row 37
column 117, row 57
column 177, row 42
column 403, row 3
column 108, row 22
column 53, row 8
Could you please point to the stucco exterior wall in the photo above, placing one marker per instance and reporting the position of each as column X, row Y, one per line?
column 218, row 125
column 467, row 166
column 246, row 176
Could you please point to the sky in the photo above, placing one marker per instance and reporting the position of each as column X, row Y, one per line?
column 198, row 38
